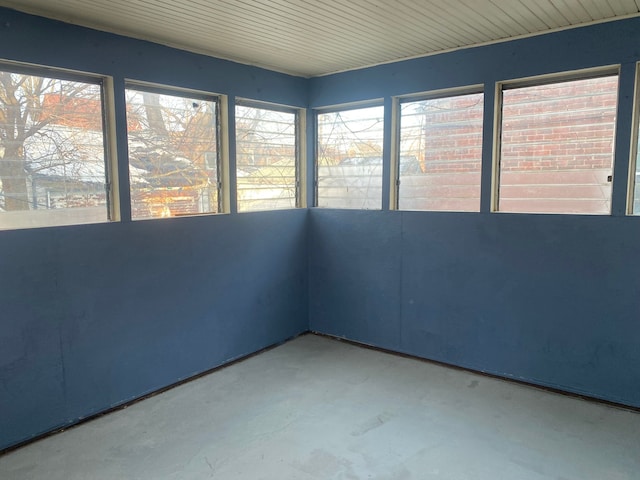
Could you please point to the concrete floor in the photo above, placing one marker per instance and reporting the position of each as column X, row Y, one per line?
column 317, row 408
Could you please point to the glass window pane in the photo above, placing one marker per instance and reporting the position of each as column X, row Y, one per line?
column 350, row 158
column 173, row 154
column 52, row 154
column 441, row 154
column 635, row 181
column 265, row 159
column 557, row 147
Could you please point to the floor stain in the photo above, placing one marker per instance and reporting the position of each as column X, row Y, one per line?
column 369, row 425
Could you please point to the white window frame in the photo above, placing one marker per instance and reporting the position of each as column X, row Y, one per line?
column 567, row 76
column 300, row 143
column 377, row 102
column 397, row 130
column 633, row 150
column 105, row 84
column 222, row 136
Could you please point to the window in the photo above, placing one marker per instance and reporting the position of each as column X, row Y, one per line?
column 266, row 158
column 173, row 153
column 556, row 153
column 440, row 153
column 52, row 151
column 633, row 206
column 349, row 158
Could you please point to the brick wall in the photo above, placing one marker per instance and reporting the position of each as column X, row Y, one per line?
column 445, row 135
column 556, row 150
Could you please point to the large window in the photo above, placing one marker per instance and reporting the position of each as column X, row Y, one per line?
column 173, row 153
column 52, row 151
column 349, row 158
column 556, row 151
column 440, row 153
column 266, row 158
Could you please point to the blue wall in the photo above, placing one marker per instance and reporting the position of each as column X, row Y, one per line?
column 93, row 316
column 553, row 300
column 26, row 38
column 594, row 46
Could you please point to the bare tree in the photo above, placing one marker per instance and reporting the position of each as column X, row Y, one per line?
column 170, row 138
column 153, row 112
column 23, row 116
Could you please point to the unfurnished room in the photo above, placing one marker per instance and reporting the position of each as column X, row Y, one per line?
column 342, row 239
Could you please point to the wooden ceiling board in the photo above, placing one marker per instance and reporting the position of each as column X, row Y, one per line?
column 310, row 38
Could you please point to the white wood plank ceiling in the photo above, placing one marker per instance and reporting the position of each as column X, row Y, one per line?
column 316, row 37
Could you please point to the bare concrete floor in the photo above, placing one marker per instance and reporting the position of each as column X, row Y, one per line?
column 317, row 408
